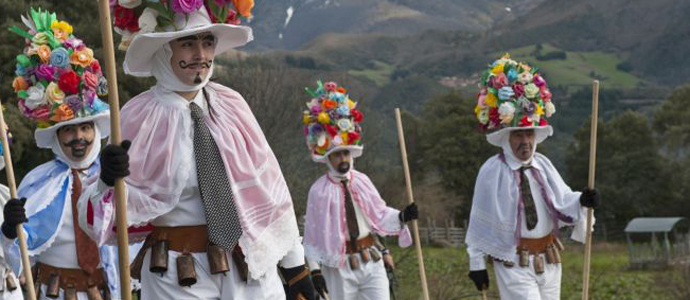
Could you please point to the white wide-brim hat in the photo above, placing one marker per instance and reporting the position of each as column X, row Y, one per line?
column 355, row 151
column 139, row 56
column 540, row 132
column 45, row 137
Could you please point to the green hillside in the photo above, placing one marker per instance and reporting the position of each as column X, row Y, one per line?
column 579, row 68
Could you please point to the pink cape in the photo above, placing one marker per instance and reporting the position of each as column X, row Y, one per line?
column 325, row 229
column 159, row 125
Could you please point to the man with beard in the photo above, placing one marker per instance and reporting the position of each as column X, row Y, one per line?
column 71, row 121
column 520, row 200
column 344, row 209
column 200, row 172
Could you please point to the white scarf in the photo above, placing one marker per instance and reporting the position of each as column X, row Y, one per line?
column 335, row 174
column 162, row 70
column 90, row 158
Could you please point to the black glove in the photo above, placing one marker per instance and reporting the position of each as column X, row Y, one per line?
column 481, row 279
column 297, row 285
column 589, row 198
column 14, row 214
column 319, row 283
column 409, row 213
column 115, row 162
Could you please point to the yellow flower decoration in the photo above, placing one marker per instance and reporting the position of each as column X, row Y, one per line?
column 491, row 100
column 344, row 137
column 351, row 104
column 497, row 69
column 306, row 119
column 82, row 58
column 539, row 110
column 324, row 118
column 61, row 29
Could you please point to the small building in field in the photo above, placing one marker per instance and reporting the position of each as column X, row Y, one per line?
column 657, row 242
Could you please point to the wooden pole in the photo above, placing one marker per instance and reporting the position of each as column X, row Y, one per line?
column 12, row 184
column 410, row 198
column 115, row 138
column 590, row 184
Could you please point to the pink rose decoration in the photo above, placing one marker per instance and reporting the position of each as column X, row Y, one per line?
column 545, row 94
column 90, row 80
column 539, row 81
column 499, row 81
column 330, row 86
column 186, row 6
column 519, row 90
column 41, row 113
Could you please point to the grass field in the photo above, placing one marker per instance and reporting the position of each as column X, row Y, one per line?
column 579, row 68
column 379, row 74
column 610, row 277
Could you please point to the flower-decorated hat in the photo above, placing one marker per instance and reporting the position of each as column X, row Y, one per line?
column 513, row 96
column 147, row 25
column 331, row 122
column 58, row 79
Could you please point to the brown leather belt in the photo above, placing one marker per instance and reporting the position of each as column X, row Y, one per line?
column 360, row 244
column 536, row 246
column 184, row 239
column 76, row 278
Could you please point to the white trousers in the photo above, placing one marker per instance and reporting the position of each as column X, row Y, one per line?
column 80, row 295
column 369, row 282
column 13, row 295
column 522, row 283
column 207, row 286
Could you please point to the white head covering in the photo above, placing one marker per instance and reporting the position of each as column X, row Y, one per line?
column 90, row 157
column 335, row 174
column 511, row 159
column 162, row 70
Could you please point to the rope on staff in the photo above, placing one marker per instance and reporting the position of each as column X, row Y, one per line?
column 590, row 184
column 410, row 198
column 115, row 138
column 12, row 184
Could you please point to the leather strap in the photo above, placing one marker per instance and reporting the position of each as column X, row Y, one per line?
column 360, row 244
column 76, row 278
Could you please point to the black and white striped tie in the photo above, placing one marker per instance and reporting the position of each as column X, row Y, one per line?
column 223, row 222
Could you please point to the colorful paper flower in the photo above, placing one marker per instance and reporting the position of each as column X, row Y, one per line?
column 46, row 72
column 90, row 80
column 61, row 30
column 186, row 6
column 531, row 91
column 59, row 58
column 54, row 95
column 505, row 93
column 506, row 112
column 62, row 113
column 43, row 52
column 35, row 97
column 69, row 82
column 102, row 88
column 74, row 102
column 19, row 83
column 82, row 57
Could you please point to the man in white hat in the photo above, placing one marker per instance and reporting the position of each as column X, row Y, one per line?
column 200, row 172
column 344, row 209
column 61, row 96
column 520, row 200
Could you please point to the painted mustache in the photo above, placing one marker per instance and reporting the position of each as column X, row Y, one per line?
column 343, row 167
column 204, row 64
column 73, row 143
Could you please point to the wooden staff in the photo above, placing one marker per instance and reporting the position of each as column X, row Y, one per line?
column 115, row 138
column 590, row 184
column 408, row 184
column 12, row 184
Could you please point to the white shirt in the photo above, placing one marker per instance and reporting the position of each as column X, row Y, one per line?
column 63, row 252
column 190, row 210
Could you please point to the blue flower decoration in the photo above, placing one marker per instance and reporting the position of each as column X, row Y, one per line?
column 343, row 110
column 512, row 75
column 59, row 58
